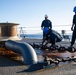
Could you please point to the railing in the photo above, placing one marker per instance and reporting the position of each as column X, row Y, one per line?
column 37, row 29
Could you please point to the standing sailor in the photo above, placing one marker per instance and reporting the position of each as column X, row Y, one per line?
column 73, row 28
column 45, row 26
column 48, row 34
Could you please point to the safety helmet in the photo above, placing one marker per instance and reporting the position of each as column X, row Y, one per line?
column 45, row 30
column 46, row 15
column 74, row 9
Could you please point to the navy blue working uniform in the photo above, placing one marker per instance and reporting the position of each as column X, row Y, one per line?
column 74, row 31
column 46, row 25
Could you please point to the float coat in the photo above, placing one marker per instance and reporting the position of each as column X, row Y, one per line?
column 24, row 49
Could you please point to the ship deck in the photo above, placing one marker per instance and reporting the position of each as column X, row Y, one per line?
column 12, row 67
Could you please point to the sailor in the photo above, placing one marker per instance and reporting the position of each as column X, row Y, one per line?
column 46, row 25
column 73, row 28
column 48, row 35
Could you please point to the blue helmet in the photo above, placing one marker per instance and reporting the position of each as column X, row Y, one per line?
column 74, row 9
column 45, row 30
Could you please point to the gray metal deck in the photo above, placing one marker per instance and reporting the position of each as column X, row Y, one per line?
column 10, row 67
